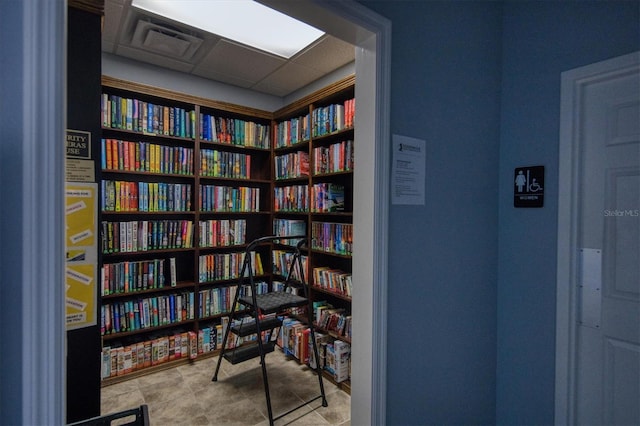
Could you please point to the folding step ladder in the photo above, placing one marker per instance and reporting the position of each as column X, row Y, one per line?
column 259, row 305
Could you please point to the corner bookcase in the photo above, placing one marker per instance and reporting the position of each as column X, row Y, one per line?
column 313, row 195
column 185, row 184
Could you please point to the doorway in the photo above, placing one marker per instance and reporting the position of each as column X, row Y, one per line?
column 371, row 33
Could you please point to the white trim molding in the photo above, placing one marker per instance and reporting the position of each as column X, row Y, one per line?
column 43, row 148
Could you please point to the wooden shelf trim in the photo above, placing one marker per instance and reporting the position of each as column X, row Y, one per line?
column 329, row 91
column 125, row 85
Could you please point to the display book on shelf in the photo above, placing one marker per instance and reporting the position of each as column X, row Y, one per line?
column 313, row 195
column 185, row 183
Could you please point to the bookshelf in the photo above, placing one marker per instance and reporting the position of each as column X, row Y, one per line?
column 313, row 193
column 186, row 183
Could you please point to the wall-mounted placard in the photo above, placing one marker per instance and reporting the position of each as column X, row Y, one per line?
column 78, row 144
column 528, row 186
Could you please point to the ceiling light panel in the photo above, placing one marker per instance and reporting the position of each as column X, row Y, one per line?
column 244, row 21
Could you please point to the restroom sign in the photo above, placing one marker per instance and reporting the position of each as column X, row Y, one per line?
column 528, row 186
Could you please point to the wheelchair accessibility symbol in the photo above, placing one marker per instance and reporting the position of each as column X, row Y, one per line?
column 529, row 186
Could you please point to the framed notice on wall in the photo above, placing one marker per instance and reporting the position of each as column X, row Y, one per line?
column 81, row 254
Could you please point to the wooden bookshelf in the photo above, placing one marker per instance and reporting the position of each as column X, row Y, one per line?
column 312, row 130
column 221, row 161
column 172, row 167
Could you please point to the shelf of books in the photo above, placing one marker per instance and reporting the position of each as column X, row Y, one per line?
column 313, row 193
column 185, row 184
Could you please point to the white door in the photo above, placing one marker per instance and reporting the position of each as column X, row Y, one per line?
column 605, row 244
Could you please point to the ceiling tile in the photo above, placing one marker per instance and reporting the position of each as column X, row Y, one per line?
column 151, row 58
column 233, row 60
column 226, row 61
column 327, row 55
column 112, row 18
column 291, row 77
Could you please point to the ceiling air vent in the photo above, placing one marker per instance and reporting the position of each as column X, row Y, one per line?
column 164, row 40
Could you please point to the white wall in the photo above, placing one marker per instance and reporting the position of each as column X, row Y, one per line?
column 140, row 72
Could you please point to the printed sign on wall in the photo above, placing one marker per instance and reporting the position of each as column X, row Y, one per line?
column 81, row 260
column 78, row 144
column 528, row 187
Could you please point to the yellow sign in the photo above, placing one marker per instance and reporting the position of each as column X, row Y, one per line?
column 81, row 260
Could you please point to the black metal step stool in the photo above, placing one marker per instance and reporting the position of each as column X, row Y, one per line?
column 259, row 305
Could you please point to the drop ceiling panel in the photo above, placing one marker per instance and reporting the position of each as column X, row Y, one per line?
column 289, row 76
column 327, row 55
column 233, row 60
column 224, row 60
column 113, row 16
column 152, row 58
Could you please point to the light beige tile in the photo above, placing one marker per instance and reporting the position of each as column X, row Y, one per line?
column 120, row 402
column 160, row 378
column 241, row 413
column 338, row 409
column 119, row 388
column 182, row 409
column 185, row 395
column 166, row 392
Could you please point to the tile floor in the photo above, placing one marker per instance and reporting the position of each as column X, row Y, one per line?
column 185, row 395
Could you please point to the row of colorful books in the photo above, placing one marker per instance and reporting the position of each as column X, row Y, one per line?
column 337, row 157
column 293, row 131
column 226, row 266
column 332, row 319
column 333, row 118
column 133, row 276
column 222, row 232
column 122, row 196
column 327, row 197
column 225, row 164
column 334, row 356
column 332, row 237
column 333, row 280
column 234, row 131
column 142, row 313
column 282, row 261
column 216, row 198
column 294, row 339
column 120, row 359
column 294, row 198
column 215, row 301
column 219, row 300
column 143, row 235
column 292, row 165
column 146, row 157
column 146, row 117
column 124, row 357
column 289, row 227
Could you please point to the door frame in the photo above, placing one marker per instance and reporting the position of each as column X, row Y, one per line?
column 43, row 395
column 371, row 34
column 573, row 82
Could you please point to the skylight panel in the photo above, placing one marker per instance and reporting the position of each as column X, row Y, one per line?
column 244, row 21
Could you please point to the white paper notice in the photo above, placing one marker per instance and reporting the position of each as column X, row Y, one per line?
column 408, row 170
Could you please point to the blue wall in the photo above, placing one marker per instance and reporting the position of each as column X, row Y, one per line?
column 541, row 39
column 11, row 157
column 472, row 279
column 445, row 88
